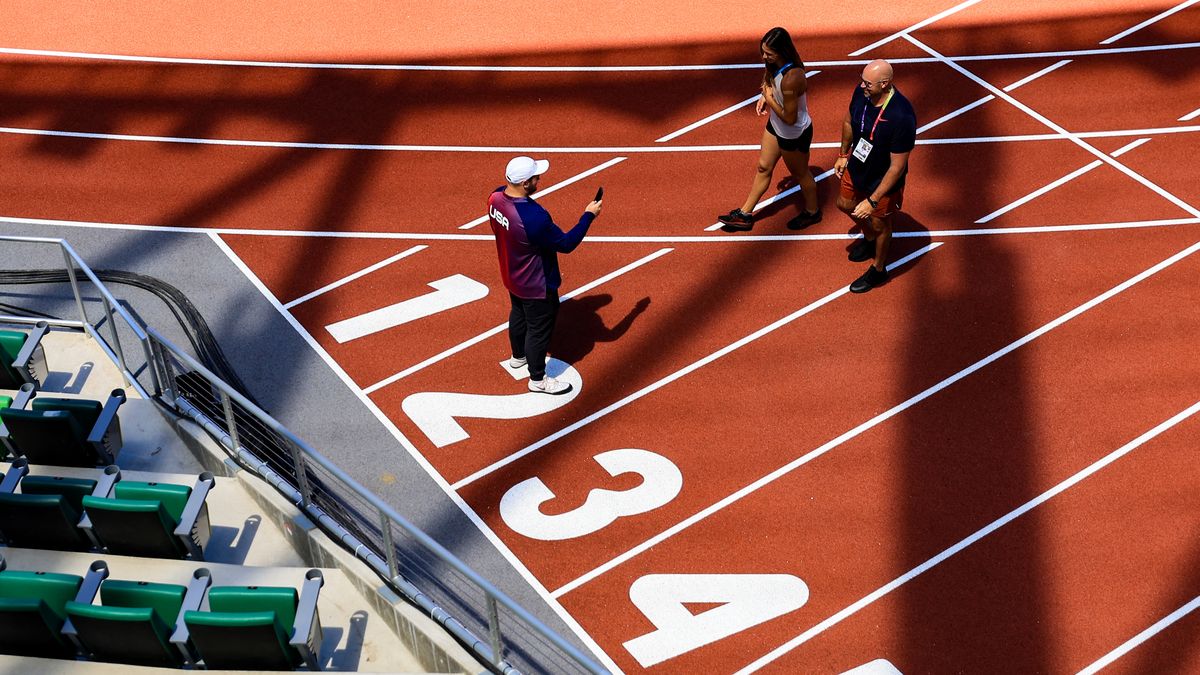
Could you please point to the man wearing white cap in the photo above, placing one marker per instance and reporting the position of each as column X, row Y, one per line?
column 528, row 243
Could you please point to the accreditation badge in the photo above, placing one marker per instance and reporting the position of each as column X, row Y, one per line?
column 862, row 149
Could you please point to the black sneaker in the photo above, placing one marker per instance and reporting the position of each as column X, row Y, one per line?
column 736, row 219
column 870, row 279
column 862, row 250
column 804, row 220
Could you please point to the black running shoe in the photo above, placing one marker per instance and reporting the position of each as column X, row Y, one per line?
column 804, row 220
column 862, row 250
column 870, row 279
column 736, row 219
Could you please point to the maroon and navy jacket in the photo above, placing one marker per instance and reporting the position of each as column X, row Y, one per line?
column 528, row 243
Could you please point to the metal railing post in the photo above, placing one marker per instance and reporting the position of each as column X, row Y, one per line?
column 168, row 376
column 494, row 629
column 230, row 421
column 301, row 473
column 112, row 325
column 74, row 284
column 389, row 545
column 149, row 352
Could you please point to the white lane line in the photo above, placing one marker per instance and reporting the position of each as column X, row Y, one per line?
column 717, row 115
column 1040, row 191
column 682, row 372
column 1074, row 138
column 1190, row 116
column 1159, row 626
column 1061, row 181
column 568, row 69
column 516, row 149
column 692, row 239
column 416, row 455
column 500, row 328
column 687, row 239
column 1154, row 19
column 557, row 186
column 874, row 421
column 916, row 26
column 776, row 197
column 979, row 534
column 361, row 273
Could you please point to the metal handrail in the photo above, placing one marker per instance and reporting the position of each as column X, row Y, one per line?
column 158, row 363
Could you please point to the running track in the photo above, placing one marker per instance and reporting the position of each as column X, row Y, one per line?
column 987, row 465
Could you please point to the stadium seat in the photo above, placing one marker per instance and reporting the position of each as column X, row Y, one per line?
column 20, row 402
column 22, row 358
column 33, row 609
column 47, row 512
column 136, row 621
column 66, row 431
column 158, row 520
column 259, row 628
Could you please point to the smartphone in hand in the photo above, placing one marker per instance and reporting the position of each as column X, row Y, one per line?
column 599, row 194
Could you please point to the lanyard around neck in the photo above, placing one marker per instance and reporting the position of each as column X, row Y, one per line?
column 862, row 125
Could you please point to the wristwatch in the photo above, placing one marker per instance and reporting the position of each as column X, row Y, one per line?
column 874, row 204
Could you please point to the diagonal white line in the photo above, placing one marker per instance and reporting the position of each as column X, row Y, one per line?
column 557, row 186
column 979, row 534
column 1065, row 179
column 1190, row 116
column 500, row 328
column 361, row 273
column 1154, row 19
column 1074, row 138
column 686, row 370
column 1039, row 192
column 1030, row 78
column 1159, row 626
column 874, row 421
column 955, row 113
column 916, row 26
column 717, row 115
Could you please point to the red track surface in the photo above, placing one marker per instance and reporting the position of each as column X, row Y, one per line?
column 1053, row 591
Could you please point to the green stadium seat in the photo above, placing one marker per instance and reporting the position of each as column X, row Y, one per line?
column 22, row 358
column 136, row 621
column 48, row 511
column 66, row 431
column 24, row 395
column 259, row 628
column 33, row 610
column 157, row 520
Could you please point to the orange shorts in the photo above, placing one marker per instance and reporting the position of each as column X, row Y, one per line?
column 890, row 203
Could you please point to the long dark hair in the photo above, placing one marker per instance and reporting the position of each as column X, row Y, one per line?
column 780, row 42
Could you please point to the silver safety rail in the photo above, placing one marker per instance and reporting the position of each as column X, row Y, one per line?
column 496, row 629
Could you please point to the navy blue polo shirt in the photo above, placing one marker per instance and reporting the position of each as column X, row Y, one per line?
column 895, row 132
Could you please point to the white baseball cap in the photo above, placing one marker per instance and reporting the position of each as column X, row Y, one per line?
column 521, row 169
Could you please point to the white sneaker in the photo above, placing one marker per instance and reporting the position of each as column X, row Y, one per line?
column 515, row 362
column 549, row 385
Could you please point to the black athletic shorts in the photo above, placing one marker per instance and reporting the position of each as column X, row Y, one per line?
column 800, row 144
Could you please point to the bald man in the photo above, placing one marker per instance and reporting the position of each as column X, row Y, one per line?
column 878, row 134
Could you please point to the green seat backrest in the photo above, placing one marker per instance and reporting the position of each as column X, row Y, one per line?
column 72, row 489
column 49, row 437
column 281, row 600
column 164, row 599
column 124, row 634
column 85, row 411
column 173, row 497
column 5, row 401
column 53, row 589
column 241, row 640
column 41, row 521
column 133, row 526
column 11, row 342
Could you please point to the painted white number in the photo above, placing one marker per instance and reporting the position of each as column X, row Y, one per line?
column 447, row 294
column 747, row 600
column 876, row 667
column 661, row 482
column 434, row 412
